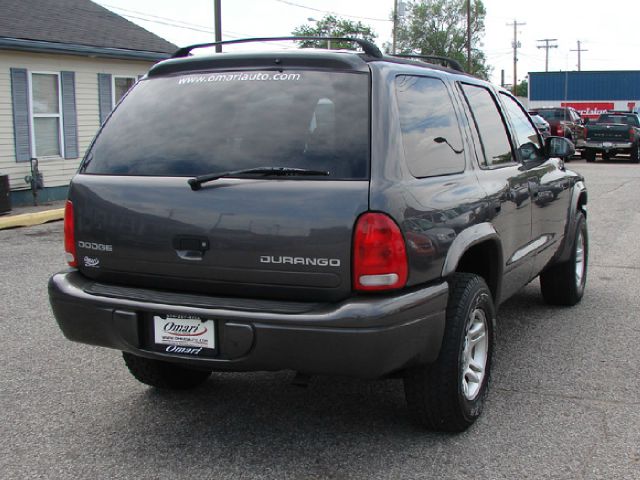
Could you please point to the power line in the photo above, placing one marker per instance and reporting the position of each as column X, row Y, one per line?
column 158, row 20
column 547, row 45
column 287, row 2
column 173, row 21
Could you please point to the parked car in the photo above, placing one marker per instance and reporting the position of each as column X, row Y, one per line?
column 541, row 124
column 325, row 212
column 564, row 122
column 613, row 133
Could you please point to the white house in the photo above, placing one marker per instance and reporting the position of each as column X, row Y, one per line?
column 64, row 64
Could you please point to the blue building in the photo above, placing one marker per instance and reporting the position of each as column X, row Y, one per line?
column 591, row 93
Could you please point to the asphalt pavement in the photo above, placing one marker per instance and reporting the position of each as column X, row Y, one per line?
column 563, row 403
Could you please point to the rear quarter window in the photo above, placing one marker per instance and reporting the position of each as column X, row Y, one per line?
column 429, row 126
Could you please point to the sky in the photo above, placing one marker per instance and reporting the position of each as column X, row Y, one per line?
column 611, row 40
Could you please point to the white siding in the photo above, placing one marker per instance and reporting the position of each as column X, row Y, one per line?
column 57, row 171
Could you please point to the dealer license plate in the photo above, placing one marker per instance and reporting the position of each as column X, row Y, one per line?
column 183, row 334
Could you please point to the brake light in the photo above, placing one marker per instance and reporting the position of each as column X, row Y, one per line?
column 69, row 235
column 560, row 130
column 379, row 254
column 631, row 135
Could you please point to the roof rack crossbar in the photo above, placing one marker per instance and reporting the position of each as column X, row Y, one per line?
column 368, row 47
column 446, row 61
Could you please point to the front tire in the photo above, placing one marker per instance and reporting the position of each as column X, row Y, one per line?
column 164, row 375
column 564, row 283
column 449, row 394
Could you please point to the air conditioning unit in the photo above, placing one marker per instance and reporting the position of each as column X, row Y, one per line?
column 5, row 198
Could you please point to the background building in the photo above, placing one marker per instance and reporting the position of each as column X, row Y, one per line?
column 64, row 64
column 591, row 93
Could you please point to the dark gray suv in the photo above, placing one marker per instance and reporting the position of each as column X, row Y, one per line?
column 326, row 212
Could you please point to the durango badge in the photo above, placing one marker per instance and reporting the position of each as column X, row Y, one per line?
column 320, row 262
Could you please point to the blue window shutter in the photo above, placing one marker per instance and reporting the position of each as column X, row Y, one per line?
column 21, row 114
column 69, row 114
column 104, row 96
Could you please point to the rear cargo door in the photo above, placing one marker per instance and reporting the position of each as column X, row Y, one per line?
column 139, row 222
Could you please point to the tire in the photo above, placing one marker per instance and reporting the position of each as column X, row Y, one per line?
column 589, row 155
column 441, row 396
column 164, row 375
column 635, row 152
column 570, row 138
column 564, row 283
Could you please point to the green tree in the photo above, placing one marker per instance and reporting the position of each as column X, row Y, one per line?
column 522, row 90
column 332, row 26
column 439, row 27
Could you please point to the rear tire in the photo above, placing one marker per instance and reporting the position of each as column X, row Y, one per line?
column 589, row 155
column 564, row 283
column 164, row 375
column 635, row 152
column 449, row 394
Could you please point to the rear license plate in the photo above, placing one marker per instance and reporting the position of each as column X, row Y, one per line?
column 184, row 335
column 607, row 144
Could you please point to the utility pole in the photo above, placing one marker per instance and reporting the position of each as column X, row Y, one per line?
column 398, row 13
column 469, row 36
column 516, row 45
column 395, row 25
column 579, row 50
column 547, row 45
column 218, row 24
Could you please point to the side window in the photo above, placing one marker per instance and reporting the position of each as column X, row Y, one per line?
column 46, row 114
column 527, row 140
column 429, row 125
column 489, row 125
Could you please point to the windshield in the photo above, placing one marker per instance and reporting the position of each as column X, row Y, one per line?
column 201, row 123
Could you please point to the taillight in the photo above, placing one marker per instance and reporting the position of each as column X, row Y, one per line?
column 631, row 135
column 69, row 235
column 586, row 132
column 379, row 254
column 560, row 131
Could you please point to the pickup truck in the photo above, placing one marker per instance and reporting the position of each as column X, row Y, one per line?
column 563, row 122
column 613, row 133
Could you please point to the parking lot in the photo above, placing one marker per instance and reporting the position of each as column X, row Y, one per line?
column 563, row 403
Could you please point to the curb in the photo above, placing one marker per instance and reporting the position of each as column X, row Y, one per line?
column 30, row 219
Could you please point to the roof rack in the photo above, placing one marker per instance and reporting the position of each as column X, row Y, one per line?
column 444, row 61
column 368, row 47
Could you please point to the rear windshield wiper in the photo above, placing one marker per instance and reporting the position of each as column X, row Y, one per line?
column 197, row 182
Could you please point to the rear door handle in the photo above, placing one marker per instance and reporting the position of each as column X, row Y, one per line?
column 191, row 255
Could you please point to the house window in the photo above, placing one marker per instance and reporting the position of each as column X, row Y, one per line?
column 121, row 85
column 45, row 113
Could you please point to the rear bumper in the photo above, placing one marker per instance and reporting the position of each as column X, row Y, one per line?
column 365, row 337
column 608, row 145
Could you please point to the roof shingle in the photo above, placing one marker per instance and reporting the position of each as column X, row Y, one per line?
column 78, row 22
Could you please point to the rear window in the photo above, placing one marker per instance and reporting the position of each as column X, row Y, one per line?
column 623, row 119
column 553, row 114
column 215, row 122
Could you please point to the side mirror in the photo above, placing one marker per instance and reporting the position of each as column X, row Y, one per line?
column 558, row 147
